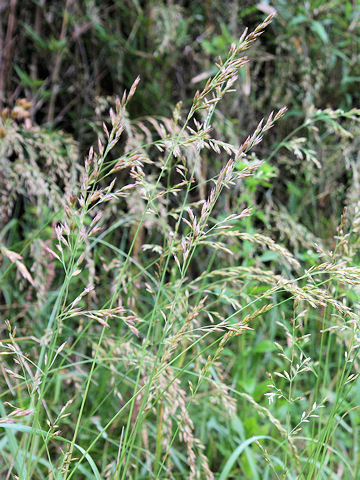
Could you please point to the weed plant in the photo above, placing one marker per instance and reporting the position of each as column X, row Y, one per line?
column 151, row 329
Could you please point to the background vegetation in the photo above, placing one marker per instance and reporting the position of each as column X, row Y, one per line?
column 181, row 299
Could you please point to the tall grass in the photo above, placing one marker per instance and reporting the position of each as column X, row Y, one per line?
column 151, row 331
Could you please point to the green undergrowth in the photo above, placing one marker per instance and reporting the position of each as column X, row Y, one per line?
column 181, row 300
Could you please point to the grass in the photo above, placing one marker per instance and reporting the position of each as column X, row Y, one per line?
column 164, row 314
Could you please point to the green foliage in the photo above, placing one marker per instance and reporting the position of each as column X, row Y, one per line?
column 183, row 303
